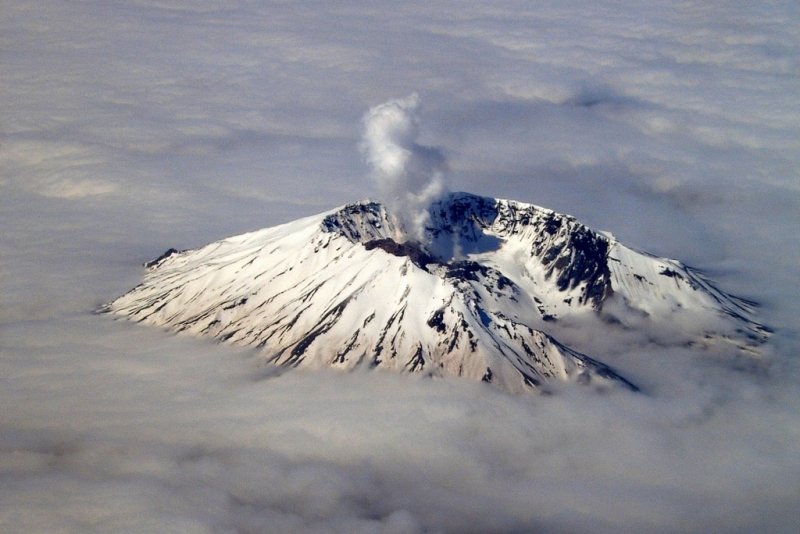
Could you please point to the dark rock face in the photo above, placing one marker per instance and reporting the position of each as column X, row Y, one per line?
column 462, row 224
column 458, row 226
column 414, row 252
column 467, row 215
column 158, row 260
column 574, row 255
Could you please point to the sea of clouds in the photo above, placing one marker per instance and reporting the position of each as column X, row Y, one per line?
column 127, row 128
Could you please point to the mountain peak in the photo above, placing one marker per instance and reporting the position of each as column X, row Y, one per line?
column 480, row 296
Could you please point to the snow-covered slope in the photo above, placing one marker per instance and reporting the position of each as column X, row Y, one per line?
column 345, row 289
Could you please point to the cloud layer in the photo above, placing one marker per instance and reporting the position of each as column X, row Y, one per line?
column 129, row 128
column 144, row 430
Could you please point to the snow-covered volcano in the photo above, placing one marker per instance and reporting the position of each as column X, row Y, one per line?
column 346, row 289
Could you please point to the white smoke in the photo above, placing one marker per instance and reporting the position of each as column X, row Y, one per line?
column 409, row 176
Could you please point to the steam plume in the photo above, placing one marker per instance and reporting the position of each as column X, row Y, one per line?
column 409, row 175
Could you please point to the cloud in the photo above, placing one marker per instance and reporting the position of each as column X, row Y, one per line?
column 53, row 169
column 148, row 430
column 409, row 175
column 129, row 128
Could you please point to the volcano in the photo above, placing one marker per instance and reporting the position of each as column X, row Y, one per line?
column 481, row 296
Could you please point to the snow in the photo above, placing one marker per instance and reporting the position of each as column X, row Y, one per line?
column 500, row 278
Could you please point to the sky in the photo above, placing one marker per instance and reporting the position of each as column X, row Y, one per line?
column 129, row 127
